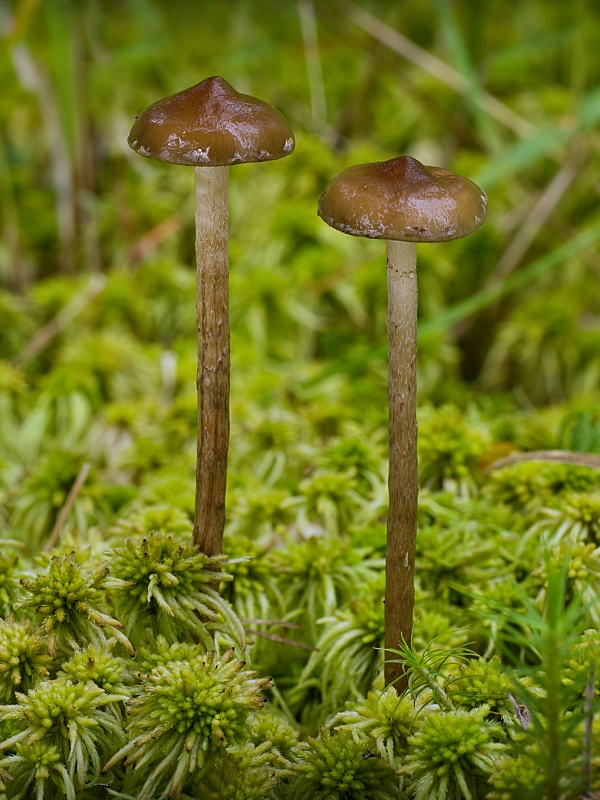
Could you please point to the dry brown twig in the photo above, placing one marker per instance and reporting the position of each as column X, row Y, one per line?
column 66, row 315
column 68, row 507
column 146, row 243
column 521, row 711
column 560, row 456
column 281, row 640
column 275, row 622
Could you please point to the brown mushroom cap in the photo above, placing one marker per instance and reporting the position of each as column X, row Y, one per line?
column 210, row 124
column 402, row 199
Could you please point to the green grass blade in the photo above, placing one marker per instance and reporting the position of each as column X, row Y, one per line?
column 478, row 301
column 485, row 297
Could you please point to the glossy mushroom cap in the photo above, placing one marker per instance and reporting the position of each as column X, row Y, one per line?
column 404, row 200
column 210, row 124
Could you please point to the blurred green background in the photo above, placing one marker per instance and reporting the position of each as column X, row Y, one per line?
column 98, row 348
column 506, row 94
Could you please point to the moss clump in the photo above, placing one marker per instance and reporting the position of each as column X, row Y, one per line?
column 69, row 599
column 186, row 715
column 386, row 721
column 72, row 719
column 97, row 664
column 24, row 659
column 338, row 767
column 170, row 590
column 452, row 754
column 516, row 779
column 480, row 681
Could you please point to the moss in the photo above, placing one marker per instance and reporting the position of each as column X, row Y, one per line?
column 337, row 767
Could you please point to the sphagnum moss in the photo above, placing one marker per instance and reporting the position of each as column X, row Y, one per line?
column 96, row 663
column 68, row 599
column 170, row 591
column 185, row 716
column 35, row 768
column 479, row 681
column 337, row 767
column 384, row 719
column 71, row 717
column 24, row 660
column 581, row 662
column 452, row 753
column 265, row 726
column 515, row 779
column 247, row 772
column 161, row 653
column 9, row 578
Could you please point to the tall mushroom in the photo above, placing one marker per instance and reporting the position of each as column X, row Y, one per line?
column 403, row 202
column 211, row 125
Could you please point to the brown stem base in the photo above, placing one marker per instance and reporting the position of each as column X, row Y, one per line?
column 403, row 477
column 212, row 306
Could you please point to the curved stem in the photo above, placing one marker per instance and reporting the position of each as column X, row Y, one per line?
column 212, row 306
column 403, row 477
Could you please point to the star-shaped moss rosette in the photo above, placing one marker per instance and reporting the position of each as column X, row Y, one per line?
column 97, row 663
column 453, row 751
column 171, row 592
column 384, row 719
column 186, row 716
column 342, row 767
column 248, row 772
column 69, row 599
column 160, row 653
column 479, row 681
column 24, row 659
column 517, row 777
column 232, row 778
column 71, row 717
column 265, row 726
column 35, row 768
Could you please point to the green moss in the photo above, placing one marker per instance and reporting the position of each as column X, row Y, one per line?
column 384, row 720
column 68, row 599
column 337, row 767
column 452, row 754
column 170, row 590
column 186, row 715
column 69, row 720
column 24, row 659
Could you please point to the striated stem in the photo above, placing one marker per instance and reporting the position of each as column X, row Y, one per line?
column 212, row 307
column 403, row 478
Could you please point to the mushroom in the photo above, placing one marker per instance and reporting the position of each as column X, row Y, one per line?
column 211, row 125
column 403, row 202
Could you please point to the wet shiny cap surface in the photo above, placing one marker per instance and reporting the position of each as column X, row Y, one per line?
column 210, row 124
column 404, row 200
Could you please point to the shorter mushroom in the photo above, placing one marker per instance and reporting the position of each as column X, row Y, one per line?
column 403, row 202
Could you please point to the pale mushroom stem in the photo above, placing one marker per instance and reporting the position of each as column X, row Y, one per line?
column 212, row 307
column 403, row 476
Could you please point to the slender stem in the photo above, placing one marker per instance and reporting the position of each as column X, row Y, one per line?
column 212, row 307
column 403, row 478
